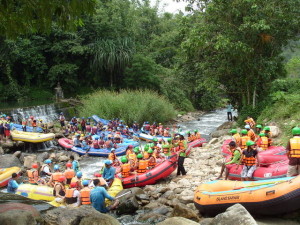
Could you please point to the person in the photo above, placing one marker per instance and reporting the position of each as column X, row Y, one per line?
column 69, row 173
column 85, row 144
column 98, row 177
column 76, row 140
column 75, row 164
column 197, row 134
column 62, row 120
column 72, row 196
column 34, row 125
column 244, row 139
column 229, row 111
column 250, row 160
column 24, row 124
column 109, row 172
column 33, row 174
column 235, row 159
column 1, row 131
column 262, row 142
column 95, row 143
column 85, row 193
column 141, row 164
column 236, row 137
column 166, row 147
column 45, row 169
column 54, row 176
column 258, row 128
column 12, row 185
column 267, row 131
column 250, row 133
column 125, row 167
column 83, row 125
column 182, row 148
column 129, row 150
column 77, row 179
column 250, row 121
column 97, row 198
column 59, row 190
column 293, row 153
column 113, row 157
column 152, row 159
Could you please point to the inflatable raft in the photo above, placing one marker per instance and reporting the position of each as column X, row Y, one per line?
column 271, row 197
column 148, row 137
column 31, row 137
column 160, row 171
column 28, row 128
column 5, row 174
column 97, row 119
column 36, row 192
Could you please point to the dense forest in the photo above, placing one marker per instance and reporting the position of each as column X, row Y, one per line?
column 217, row 49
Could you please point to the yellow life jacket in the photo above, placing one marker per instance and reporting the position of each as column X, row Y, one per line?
column 295, row 147
column 244, row 140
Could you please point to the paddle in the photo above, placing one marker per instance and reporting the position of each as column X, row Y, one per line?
column 129, row 192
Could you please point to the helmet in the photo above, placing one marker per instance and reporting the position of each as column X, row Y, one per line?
column 77, row 135
column 267, row 128
column 296, row 131
column 262, row 134
column 188, row 132
column 48, row 161
column 136, row 150
column 249, row 143
column 35, row 166
column 139, row 156
column 69, row 165
column 154, row 139
column 89, row 117
column 61, row 178
column 82, row 118
column 124, row 159
column 79, row 174
column 233, row 131
column 56, row 167
column 150, row 151
column 85, row 182
column 195, row 131
column 41, row 120
column 74, row 117
column 96, row 138
column 259, row 126
column 169, row 139
column 247, row 126
column 167, row 128
column 113, row 149
column 151, row 145
column 97, row 174
column 146, row 148
column 130, row 146
column 73, row 185
column 107, row 162
column 244, row 132
column 61, row 113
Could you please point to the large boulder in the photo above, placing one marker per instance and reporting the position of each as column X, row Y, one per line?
column 129, row 203
column 9, row 161
column 275, row 131
column 17, row 154
column 180, row 210
column 29, row 160
column 177, row 221
column 8, row 147
column 84, row 215
column 1, row 151
column 227, row 125
column 219, row 133
column 42, row 157
column 234, row 215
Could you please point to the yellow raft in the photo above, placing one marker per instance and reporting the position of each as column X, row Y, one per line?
column 5, row 174
column 31, row 137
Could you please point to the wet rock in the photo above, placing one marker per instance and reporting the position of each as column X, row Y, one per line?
column 59, row 135
column 206, row 221
column 1, row 151
column 275, row 131
column 163, row 210
column 143, row 197
column 52, row 156
column 19, row 144
column 168, row 195
column 234, row 215
column 29, row 160
column 186, row 199
column 17, row 154
column 151, row 218
column 152, row 205
column 227, row 125
column 213, row 141
column 42, row 157
column 63, row 158
column 180, row 210
column 128, row 203
column 177, row 221
column 8, row 147
column 9, row 161
column 125, row 219
column 219, row 133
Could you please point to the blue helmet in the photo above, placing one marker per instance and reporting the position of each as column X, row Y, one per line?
column 89, row 117
column 56, row 167
column 82, row 118
column 96, row 138
column 48, row 161
column 74, row 117
column 107, row 162
column 85, row 182
column 79, row 174
column 61, row 113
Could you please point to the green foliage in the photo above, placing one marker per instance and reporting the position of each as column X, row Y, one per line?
column 139, row 105
column 293, row 67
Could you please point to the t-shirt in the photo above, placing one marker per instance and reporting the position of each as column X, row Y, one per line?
column 76, row 194
column 12, row 186
column 229, row 108
column 248, row 154
column 75, row 166
column 97, row 197
column 46, row 170
column 236, row 157
column 109, row 173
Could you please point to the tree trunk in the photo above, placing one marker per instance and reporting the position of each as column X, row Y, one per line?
column 248, row 95
column 254, row 98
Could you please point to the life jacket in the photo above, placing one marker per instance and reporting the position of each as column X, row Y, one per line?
column 83, row 123
column 112, row 156
column 166, row 133
column 142, row 166
column 166, row 149
column 96, row 144
column 85, row 196
column 198, row 135
column 34, row 124
column 191, row 138
column 181, row 145
column 147, row 127
column 237, row 139
column 69, row 173
column 88, row 128
column 125, row 170
column 94, row 130
column 264, row 143
column 69, row 196
column 55, row 176
column 132, row 156
column 31, row 175
column 62, row 190
column 249, row 161
column 24, row 122
column 250, row 122
column 233, row 151
column 252, row 135
column 244, row 139
column 75, row 180
column 146, row 155
column 295, row 147
column 152, row 163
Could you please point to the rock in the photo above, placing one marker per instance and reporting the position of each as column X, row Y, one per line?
column 213, row 141
column 152, row 205
column 20, row 144
column 42, row 157
column 84, row 215
column 29, row 160
column 63, row 158
column 168, row 195
column 177, row 221
column 149, row 188
column 206, row 221
column 1, row 151
column 180, row 210
column 162, row 189
column 125, row 219
column 142, row 197
column 227, row 125
column 183, row 182
column 8, row 147
column 178, row 190
column 151, row 218
column 220, row 133
column 50, row 125
column 128, row 203
column 188, row 161
column 186, row 199
column 163, row 210
column 17, row 154
column 9, row 161
column 59, row 135
column 234, row 215
column 275, row 131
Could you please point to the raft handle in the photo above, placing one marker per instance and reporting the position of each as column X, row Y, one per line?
column 198, row 198
column 270, row 192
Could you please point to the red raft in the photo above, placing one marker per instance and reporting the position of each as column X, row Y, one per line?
column 160, row 171
column 65, row 142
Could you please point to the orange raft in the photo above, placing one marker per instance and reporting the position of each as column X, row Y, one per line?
column 265, row 197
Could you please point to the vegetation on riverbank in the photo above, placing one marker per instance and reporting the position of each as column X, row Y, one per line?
column 130, row 106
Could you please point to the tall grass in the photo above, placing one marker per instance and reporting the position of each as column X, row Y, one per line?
column 128, row 105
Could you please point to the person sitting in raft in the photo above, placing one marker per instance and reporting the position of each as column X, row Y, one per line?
column 97, row 198
column 235, row 159
column 113, row 157
column 85, row 193
column 12, row 185
column 152, row 159
column 109, row 172
column 166, row 147
column 236, row 137
column 95, row 143
column 250, row 121
column 33, row 174
column 190, row 137
column 258, row 129
column 98, row 177
column 54, row 176
column 244, row 139
column 293, row 153
column 59, row 190
column 125, row 167
column 76, row 141
column 78, row 179
column 75, row 164
column 250, row 133
column 141, row 164
column 267, row 131
column 72, row 197
column 45, row 169
column 250, row 160
column 197, row 134
column 262, row 142
column 145, row 152
column 129, row 150
column 166, row 132
column 69, row 173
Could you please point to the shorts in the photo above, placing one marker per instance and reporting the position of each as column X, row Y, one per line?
column 248, row 171
column 62, row 123
column 293, row 170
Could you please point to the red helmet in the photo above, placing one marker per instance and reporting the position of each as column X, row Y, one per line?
column 73, row 185
column 97, row 174
column 35, row 165
column 167, row 128
column 130, row 146
column 61, row 178
column 69, row 165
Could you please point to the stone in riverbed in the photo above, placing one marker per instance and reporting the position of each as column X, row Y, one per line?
column 29, row 160
column 17, row 154
column 42, row 157
column 151, row 217
column 177, row 221
column 180, row 210
column 9, row 161
column 128, row 203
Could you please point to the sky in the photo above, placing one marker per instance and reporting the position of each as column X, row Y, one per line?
column 171, row 6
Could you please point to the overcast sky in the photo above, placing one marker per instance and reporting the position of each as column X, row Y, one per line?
column 172, row 6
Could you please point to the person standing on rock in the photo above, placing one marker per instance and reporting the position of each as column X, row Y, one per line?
column 250, row 160
column 12, row 185
column 97, row 198
column 229, row 111
column 182, row 155
column 293, row 153
column 62, row 120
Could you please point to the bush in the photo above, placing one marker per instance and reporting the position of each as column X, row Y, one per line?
column 138, row 105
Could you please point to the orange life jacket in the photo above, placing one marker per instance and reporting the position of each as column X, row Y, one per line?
column 142, row 166
column 250, row 122
column 24, row 122
column 295, row 147
column 132, row 156
column 249, row 161
column 34, row 124
column 252, row 135
column 146, row 155
column 244, row 139
column 85, row 196
column 31, row 175
column 55, row 176
column 166, row 150
column 264, row 143
column 181, row 145
column 237, row 139
column 125, row 170
column 112, row 156
column 152, row 163
column 69, row 173
column 197, row 136
column 69, row 196
column 191, row 138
